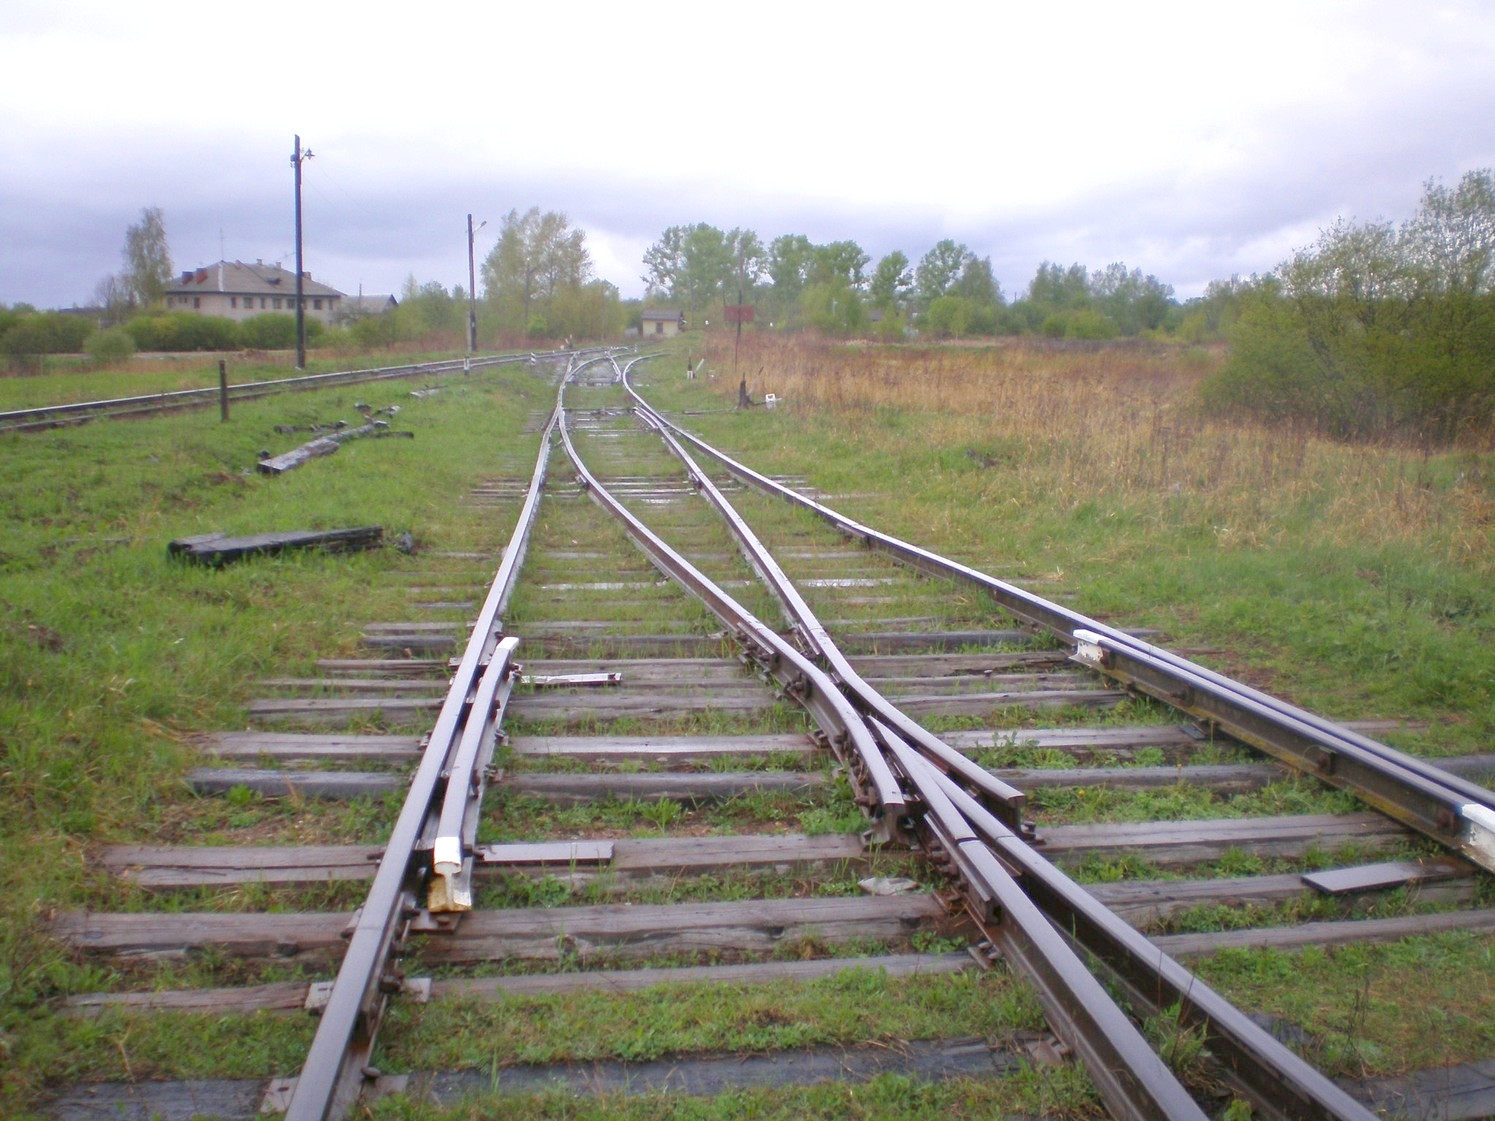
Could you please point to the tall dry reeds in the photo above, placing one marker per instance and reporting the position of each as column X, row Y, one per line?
column 1118, row 425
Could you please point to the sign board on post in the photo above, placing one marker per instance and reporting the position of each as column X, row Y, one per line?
column 738, row 313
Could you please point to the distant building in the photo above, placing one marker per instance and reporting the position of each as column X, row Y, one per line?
column 663, row 323
column 235, row 290
column 361, row 306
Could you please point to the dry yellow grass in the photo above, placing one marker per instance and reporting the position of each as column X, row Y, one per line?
column 1117, row 425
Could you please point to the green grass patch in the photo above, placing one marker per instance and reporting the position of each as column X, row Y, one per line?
column 853, row 1006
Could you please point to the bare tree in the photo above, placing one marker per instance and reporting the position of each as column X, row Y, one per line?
column 147, row 269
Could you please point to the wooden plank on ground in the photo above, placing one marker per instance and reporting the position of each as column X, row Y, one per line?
column 163, row 866
column 288, row 747
column 296, row 784
column 1327, row 933
column 218, row 548
column 751, row 926
column 748, row 973
column 1462, row 1092
column 569, row 789
column 1172, row 843
column 290, row 996
column 538, row 934
column 882, row 667
column 631, row 859
column 660, row 749
column 977, row 704
column 1147, row 903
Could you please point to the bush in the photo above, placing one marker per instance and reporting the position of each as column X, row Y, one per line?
column 33, row 334
column 1079, row 323
column 274, row 331
column 110, row 348
column 1378, row 331
column 949, row 316
column 183, row 331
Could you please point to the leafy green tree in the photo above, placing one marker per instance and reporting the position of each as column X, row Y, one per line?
column 1132, row 301
column 978, row 287
column 429, row 312
column 701, row 267
column 836, row 308
column 589, row 311
column 147, row 272
column 537, row 257
column 841, row 263
column 183, row 331
column 939, row 269
column 1376, row 329
column 892, row 281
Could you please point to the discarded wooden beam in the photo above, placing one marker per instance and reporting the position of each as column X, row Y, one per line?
column 218, row 548
column 324, row 445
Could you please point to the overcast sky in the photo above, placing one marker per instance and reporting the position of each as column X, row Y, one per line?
column 1191, row 140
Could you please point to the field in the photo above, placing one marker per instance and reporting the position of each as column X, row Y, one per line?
column 1352, row 579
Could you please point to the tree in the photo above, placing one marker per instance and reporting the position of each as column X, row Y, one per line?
column 978, row 287
column 1132, row 301
column 1376, row 329
column 701, row 267
column 147, row 271
column 842, row 263
column 939, row 268
column 537, row 258
column 892, row 281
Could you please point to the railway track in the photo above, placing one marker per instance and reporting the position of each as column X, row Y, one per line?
column 45, row 417
column 744, row 742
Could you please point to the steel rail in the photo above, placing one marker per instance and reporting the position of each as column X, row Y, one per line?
column 1003, row 798
column 804, row 681
column 1278, row 1082
column 1132, row 1080
column 1450, row 810
column 334, row 1071
column 456, row 828
column 80, row 412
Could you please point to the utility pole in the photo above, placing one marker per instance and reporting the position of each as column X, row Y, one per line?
column 296, row 157
column 472, row 291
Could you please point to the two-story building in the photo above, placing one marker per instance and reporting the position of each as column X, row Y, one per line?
column 234, row 290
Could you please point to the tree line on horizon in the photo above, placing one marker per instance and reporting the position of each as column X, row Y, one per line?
column 1377, row 329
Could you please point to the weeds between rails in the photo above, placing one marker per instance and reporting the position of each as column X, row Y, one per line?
column 256, row 600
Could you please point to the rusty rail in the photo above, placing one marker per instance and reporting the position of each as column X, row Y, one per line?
column 1448, row 809
column 986, row 853
column 442, row 800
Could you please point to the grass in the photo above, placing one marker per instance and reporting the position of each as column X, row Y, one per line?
column 1373, row 1008
column 853, row 1006
column 1352, row 579
column 1045, row 1093
column 112, row 656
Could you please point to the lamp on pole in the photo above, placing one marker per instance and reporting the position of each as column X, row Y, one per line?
column 297, row 157
column 472, row 290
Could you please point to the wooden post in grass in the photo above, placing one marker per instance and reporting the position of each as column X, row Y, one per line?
column 223, row 390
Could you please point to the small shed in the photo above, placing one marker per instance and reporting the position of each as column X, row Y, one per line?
column 663, row 323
